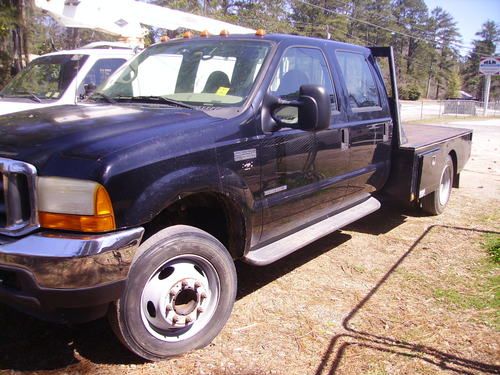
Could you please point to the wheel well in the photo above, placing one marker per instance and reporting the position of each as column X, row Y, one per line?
column 212, row 212
column 453, row 155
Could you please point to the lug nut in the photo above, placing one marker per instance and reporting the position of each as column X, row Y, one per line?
column 175, row 319
column 200, row 310
column 184, row 283
column 197, row 284
column 188, row 320
column 168, row 308
column 203, row 295
column 172, row 293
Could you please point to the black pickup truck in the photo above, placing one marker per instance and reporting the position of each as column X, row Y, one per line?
column 199, row 152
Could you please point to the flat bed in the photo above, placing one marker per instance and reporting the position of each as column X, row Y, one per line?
column 419, row 159
column 421, row 136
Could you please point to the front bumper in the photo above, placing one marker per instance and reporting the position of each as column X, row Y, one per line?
column 50, row 273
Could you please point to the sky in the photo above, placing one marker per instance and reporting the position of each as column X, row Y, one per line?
column 469, row 14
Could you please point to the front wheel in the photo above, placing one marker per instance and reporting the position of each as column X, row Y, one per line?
column 179, row 294
column 436, row 202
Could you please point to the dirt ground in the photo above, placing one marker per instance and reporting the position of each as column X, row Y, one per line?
column 395, row 293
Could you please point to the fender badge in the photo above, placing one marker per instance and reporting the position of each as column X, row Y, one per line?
column 245, row 154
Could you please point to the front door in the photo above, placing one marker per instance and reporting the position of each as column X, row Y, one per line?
column 291, row 167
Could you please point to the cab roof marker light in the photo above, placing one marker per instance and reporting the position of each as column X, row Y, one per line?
column 224, row 33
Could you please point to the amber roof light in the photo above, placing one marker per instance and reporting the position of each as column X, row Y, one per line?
column 187, row 35
column 224, row 33
column 260, row 32
column 204, row 34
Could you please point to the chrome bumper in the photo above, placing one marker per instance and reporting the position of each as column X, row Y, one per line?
column 72, row 261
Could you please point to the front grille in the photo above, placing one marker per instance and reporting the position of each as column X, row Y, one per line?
column 18, row 211
column 3, row 212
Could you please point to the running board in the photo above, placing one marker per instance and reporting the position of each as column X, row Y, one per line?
column 277, row 250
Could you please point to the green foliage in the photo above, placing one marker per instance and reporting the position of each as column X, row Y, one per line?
column 454, row 84
column 413, row 93
column 409, row 92
column 485, row 46
column 480, row 293
column 492, row 246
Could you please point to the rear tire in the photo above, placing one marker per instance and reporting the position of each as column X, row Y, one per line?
column 179, row 294
column 436, row 202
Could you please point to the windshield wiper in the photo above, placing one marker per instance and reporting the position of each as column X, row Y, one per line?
column 104, row 96
column 30, row 95
column 158, row 98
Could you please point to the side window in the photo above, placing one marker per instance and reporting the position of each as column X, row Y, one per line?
column 361, row 86
column 299, row 66
column 100, row 72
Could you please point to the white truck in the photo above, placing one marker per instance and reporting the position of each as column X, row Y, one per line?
column 62, row 77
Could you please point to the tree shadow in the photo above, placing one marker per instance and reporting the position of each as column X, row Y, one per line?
column 28, row 344
column 365, row 339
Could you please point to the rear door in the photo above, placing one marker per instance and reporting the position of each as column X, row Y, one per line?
column 370, row 124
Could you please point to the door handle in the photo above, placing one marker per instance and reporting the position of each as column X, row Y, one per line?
column 344, row 145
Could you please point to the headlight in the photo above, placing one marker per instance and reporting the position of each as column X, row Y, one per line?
column 79, row 205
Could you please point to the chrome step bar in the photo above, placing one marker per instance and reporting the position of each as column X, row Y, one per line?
column 277, row 250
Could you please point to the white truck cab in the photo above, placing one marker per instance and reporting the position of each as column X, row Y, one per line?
column 62, row 77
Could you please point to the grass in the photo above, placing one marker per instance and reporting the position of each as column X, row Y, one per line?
column 482, row 292
column 491, row 244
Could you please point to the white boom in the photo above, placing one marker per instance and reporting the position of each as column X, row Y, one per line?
column 126, row 17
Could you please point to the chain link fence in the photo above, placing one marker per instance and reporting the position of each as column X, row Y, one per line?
column 432, row 109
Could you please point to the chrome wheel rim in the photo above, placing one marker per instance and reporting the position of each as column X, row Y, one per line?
column 445, row 185
column 180, row 298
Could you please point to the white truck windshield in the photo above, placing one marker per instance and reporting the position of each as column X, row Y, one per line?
column 46, row 77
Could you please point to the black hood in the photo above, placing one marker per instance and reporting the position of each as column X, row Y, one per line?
column 90, row 131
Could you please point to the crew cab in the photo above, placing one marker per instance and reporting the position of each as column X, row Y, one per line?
column 63, row 77
column 200, row 151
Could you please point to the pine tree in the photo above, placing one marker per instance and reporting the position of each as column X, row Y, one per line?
column 486, row 46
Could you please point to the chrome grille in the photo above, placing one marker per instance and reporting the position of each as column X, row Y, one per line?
column 3, row 212
column 18, row 207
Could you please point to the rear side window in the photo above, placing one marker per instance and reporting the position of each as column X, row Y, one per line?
column 361, row 86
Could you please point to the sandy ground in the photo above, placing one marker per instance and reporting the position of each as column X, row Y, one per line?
column 391, row 294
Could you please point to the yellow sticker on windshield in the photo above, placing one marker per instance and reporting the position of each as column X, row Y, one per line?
column 222, row 91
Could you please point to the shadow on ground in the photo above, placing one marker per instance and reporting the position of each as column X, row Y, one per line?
column 340, row 344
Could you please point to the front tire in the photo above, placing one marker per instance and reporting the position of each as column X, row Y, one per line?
column 179, row 294
column 436, row 202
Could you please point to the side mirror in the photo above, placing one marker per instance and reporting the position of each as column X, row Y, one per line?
column 311, row 111
column 315, row 111
column 89, row 89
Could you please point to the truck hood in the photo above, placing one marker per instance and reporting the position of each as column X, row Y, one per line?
column 90, row 131
column 17, row 105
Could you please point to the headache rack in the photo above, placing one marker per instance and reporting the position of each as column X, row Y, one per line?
column 18, row 198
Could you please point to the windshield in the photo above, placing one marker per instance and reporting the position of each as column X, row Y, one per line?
column 45, row 77
column 214, row 73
